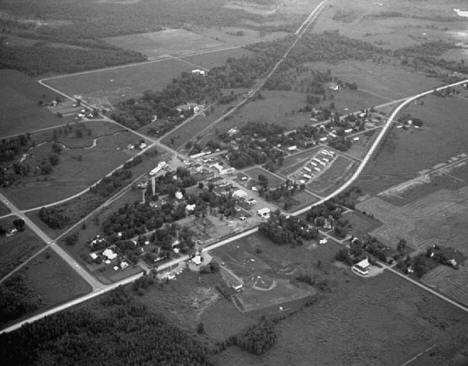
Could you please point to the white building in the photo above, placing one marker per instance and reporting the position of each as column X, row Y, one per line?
column 240, row 194
column 109, row 254
column 362, row 267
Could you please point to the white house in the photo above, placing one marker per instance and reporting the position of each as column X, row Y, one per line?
column 109, row 254
column 362, row 267
column 240, row 194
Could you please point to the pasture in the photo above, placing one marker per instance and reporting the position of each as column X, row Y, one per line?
column 405, row 152
column 273, row 179
column 107, row 86
column 175, row 42
column 293, row 162
column 16, row 248
column 450, row 282
column 333, row 177
column 85, row 158
column 240, row 36
column 20, row 111
column 215, row 58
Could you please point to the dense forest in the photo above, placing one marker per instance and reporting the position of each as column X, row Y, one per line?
column 117, row 331
column 16, row 299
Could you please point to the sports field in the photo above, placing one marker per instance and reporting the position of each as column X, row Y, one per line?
column 20, row 111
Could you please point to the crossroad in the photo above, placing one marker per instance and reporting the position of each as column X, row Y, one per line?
column 99, row 288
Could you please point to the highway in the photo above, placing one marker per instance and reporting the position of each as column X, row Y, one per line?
column 260, row 84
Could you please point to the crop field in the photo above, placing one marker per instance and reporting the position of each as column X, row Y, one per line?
column 384, row 82
column 175, row 42
column 53, row 279
column 438, row 218
column 452, row 283
column 391, row 24
column 20, row 111
column 15, row 249
column 386, row 318
column 405, row 152
column 331, row 178
column 106, row 86
column 83, row 161
column 360, row 148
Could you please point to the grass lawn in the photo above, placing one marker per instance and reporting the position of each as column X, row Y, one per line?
column 293, row 162
column 82, row 162
column 333, row 177
column 360, row 148
column 405, row 152
column 15, row 249
column 19, row 110
column 3, row 209
column 240, row 35
column 104, row 86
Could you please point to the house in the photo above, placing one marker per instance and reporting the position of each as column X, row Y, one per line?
column 109, row 254
column 123, row 265
column 158, row 168
column 355, row 139
column 323, row 139
column 197, row 260
column 348, row 130
column 190, row 208
column 179, row 195
column 93, row 256
column 362, row 267
column 240, row 194
column 264, row 212
column 199, row 72
column 323, row 241
column 292, row 148
column 238, row 287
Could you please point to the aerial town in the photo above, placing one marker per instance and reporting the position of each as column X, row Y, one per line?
column 228, row 182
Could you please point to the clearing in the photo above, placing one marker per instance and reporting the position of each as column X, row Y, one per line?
column 20, row 110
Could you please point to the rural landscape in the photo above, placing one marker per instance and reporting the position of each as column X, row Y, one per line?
column 234, row 182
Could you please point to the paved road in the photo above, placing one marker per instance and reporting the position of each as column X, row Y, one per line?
column 95, row 284
column 299, row 33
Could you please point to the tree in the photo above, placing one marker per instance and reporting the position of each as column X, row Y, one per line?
column 19, row 224
column 72, row 239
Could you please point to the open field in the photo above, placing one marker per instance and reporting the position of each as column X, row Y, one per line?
column 53, row 279
column 80, row 206
column 360, row 148
column 83, row 161
column 103, row 87
column 176, row 42
column 361, row 224
column 406, row 152
column 240, row 36
column 383, row 81
column 387, row 319
column 216, row 58
column 438, row 218
column 20, row 111
column 332, row 178
column 3, row 209
column 392, row 24
column 15, row 249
